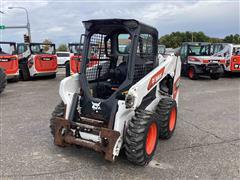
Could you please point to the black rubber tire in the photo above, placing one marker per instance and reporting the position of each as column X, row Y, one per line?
column 67, row 68
column 215, row 76
column 136, row 136
column 3, row 80
column 195, row 76
column 25, row 75
column 58, row 112
column 164, row 109
column 15, row 79
column 53, row 76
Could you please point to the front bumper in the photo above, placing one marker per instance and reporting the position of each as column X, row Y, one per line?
column 65, row 136
column 41, row 74
column 214, row 68
column 209, row 69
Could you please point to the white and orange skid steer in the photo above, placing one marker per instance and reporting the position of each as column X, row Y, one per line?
column 127, row 100
column 37, row 59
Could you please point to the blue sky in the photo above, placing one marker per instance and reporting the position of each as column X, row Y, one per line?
column 60, row 20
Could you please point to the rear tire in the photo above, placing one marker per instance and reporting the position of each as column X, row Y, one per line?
column 192, row 73
column 215, row 76
column 167, row 111
column 53, row 76
column 141, row 137
column 15, row 79
column 67, row 67
column 3, row 80
column 59, row 111
column 24, row 72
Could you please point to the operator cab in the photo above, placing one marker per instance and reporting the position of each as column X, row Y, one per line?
column 197, row 49
column 124, row 52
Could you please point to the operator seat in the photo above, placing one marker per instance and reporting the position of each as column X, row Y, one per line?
column 119, row 74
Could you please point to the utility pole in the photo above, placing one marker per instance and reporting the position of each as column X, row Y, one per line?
column 27, row 26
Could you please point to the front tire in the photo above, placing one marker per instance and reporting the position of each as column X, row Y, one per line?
column 67, row 67
column 53, row 76
column 141, row 137
column 215, row 76
column 192, row 73
column 58, row 112
column 15, row 79
column 167, row 111
column 25, row 74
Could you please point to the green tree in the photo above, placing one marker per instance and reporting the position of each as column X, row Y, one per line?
column 46, row 47
column 175, row 39
column 47, row 41
column 232, row 39
column 62, row 47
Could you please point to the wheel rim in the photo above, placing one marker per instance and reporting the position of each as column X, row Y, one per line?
column 191, row 73
column 151, row 138
column 172, row 120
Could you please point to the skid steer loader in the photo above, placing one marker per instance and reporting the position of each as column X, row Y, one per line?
column 230, row 53
column 75, row 58
column 124, row 102
column 9, row 60
column 197, row 60
column 37, row 59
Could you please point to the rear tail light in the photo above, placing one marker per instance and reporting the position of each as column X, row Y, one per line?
column 222, row 61
column 193, row 59
column 205, row 61
column 234, row 60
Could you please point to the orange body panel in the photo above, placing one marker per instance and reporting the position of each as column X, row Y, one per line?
column 75, row 63
column 10, row 64
column 235, row 61
column 45, row 63
column 155, row 78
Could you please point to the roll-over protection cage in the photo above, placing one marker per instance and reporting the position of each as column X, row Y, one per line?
column 101, row 47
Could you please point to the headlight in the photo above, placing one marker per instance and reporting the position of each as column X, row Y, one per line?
column 129, row 101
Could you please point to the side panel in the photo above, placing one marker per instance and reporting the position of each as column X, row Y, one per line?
column 75, row 64
column 141, row 88
column 235, row 63
column 68, row 87
column 10, row 64
column 176, row 83
column 45, row 63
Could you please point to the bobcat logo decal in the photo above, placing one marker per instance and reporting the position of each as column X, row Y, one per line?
column 96, row 106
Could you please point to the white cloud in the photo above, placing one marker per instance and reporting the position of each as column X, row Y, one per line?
column 61, row 21
column 55, row 29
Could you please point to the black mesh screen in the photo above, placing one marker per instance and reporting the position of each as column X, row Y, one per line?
column 99, row 62
column 144, row 57
column 141, row 70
